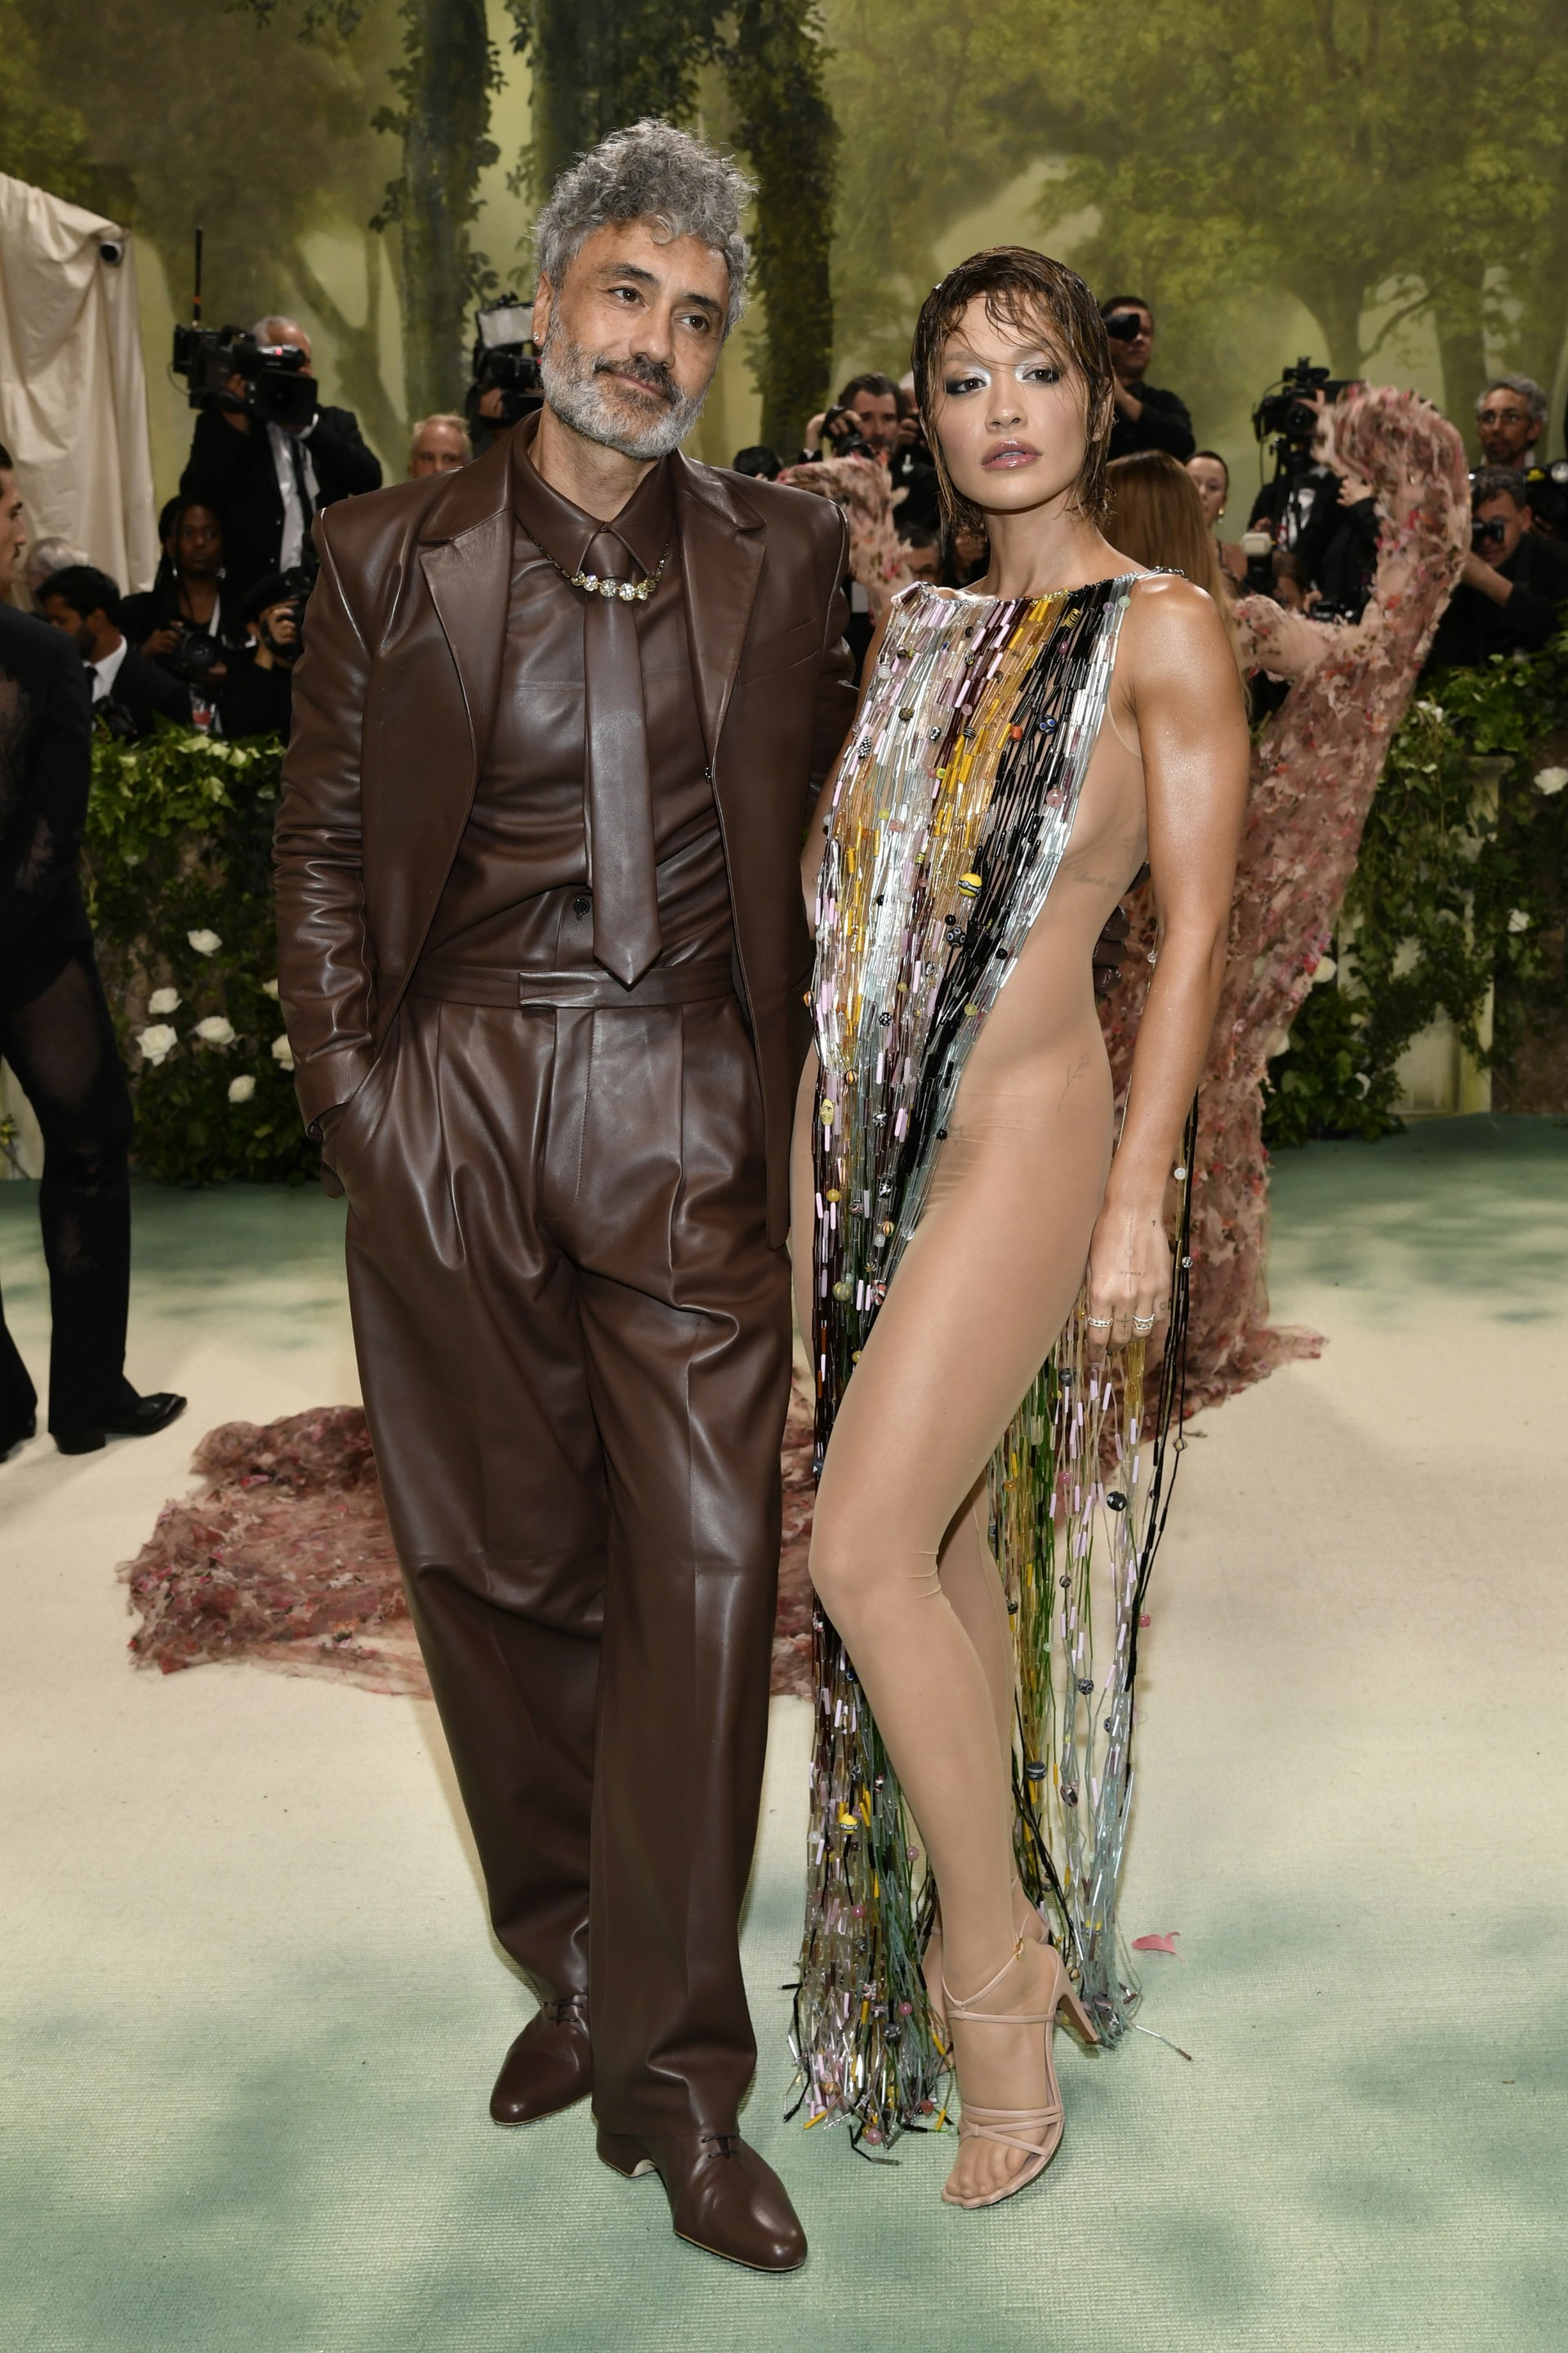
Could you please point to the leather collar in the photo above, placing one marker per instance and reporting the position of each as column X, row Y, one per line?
column 471, row 495
column 644, row 525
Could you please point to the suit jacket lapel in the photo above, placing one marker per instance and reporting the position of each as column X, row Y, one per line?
column 465, row 557
column 470, row 580
column 722, row 542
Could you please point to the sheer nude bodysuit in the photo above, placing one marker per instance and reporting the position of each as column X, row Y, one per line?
column 899, row 1552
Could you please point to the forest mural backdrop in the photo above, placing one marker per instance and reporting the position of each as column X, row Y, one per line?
column 1381, row 182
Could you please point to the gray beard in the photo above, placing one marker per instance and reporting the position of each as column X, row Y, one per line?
column 571, row 388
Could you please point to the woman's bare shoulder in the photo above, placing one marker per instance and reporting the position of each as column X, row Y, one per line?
column 1172, row 622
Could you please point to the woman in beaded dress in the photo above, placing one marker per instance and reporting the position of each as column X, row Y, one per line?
column 954, row 1164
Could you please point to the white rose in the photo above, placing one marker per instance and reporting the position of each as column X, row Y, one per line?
column 1324, row 969
column 269, row 989
column 1276, row 1043
column 282, row 1051
column 241, row 1090
column 1550, row 780
column 164, row 1000
column 216, row 1030
column 204, row 943
column 156, row 1041
column 1518, row 920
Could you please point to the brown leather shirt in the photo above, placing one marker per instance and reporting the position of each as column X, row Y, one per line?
column 517, row 894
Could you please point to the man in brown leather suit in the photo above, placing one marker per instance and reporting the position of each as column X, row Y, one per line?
column 545, row 963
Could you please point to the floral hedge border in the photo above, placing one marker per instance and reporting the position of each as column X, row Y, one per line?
column 1450, row 896
column 178, row 859
column 1447, row 898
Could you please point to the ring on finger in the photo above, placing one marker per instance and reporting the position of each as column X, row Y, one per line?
column 1142, row 1322
column 1099, row 1322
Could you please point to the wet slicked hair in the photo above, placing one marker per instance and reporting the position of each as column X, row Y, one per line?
column 650, row 172
column 1032, row 294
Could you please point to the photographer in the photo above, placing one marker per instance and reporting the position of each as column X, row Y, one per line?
column 257, row 696
column 1146, row 417
column 179, row 622
column 862, row 423
column 266, row 482
column 1510, row 417
column 1328, row 521
column 439, row 444
column 506, row 385
column 1513, row 585
column 129, row 692
column 911, row 467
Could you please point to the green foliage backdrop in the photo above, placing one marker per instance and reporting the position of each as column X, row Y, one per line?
column 178, row 868
column 1461, row 884
column 1382, row 179
column 1388, row 164
column 1463, row 881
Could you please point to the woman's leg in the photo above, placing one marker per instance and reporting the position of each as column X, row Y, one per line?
column 973, row 1589
column 979, row 1298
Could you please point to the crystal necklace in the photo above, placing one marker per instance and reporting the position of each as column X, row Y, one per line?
column 630, row 592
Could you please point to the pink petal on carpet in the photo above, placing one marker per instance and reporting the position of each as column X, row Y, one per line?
column 1158, row 1944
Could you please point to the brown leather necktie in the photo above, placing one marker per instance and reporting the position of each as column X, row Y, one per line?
column 619, row 795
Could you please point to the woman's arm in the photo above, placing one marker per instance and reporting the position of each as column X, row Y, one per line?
column 1192, row 726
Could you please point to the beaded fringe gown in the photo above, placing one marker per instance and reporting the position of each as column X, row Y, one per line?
column 953, row 803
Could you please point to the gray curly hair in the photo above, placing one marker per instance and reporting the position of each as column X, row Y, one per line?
column 650, row 172
column 1526, row 388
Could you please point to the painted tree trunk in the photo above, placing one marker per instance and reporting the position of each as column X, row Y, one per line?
column 447, row 90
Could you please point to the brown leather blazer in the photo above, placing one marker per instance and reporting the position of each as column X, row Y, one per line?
column 394, row 700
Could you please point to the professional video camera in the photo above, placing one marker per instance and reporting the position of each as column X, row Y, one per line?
column 1290, row 412
column 505, row 363
column 275, row 383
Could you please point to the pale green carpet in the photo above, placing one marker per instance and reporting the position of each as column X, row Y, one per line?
column 251, row 2012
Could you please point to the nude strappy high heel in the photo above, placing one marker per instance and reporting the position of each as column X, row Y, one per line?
column 931, row 1962
column 1037, row 2132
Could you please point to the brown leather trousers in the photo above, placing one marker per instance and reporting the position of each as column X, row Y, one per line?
column 574, row 1344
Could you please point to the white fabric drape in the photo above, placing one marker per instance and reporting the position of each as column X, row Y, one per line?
column 73, row 396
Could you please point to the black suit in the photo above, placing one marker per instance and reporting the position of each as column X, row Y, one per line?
column 141, row 692
column 256, row 701
column 1473, row 628
column 234, row 474
column 1164, row 425
column 56, row 1033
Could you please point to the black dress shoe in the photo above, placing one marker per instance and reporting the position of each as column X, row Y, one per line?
column 139, row 1417
column 548, row 2067
column 18, row 1435
column 722, row 2196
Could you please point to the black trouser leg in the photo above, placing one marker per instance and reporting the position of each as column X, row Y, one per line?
column 61, row 1045
column 18, row 1398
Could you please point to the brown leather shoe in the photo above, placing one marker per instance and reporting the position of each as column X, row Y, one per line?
column 722, row 2196
column 548, row 2067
